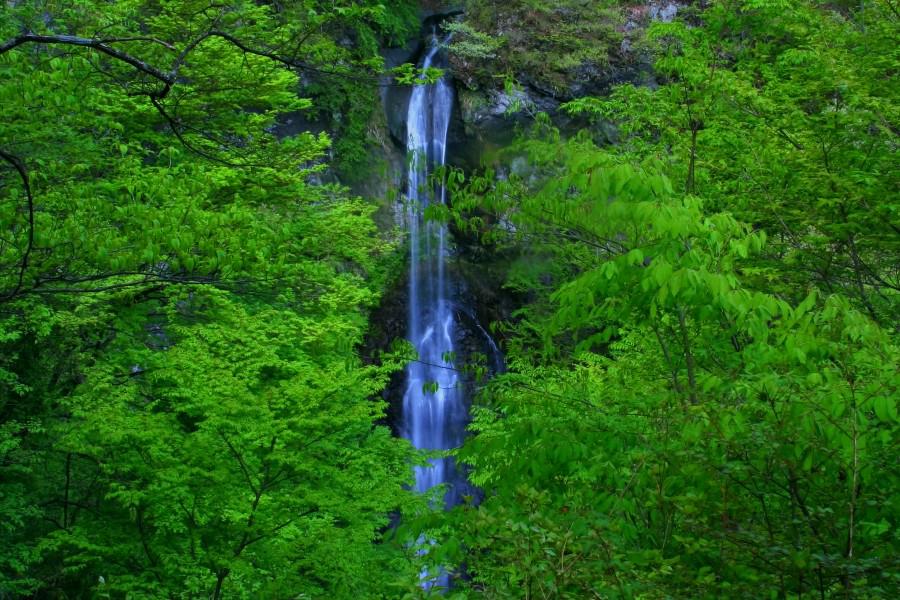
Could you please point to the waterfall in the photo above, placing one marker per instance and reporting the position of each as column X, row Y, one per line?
column 433, row 419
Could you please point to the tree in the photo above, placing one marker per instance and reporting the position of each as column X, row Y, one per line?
column 670, row 426
column 182, row 409
column 779, row 113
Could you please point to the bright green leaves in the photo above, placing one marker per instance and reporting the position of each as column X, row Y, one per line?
column 236, row 445
column 712, row 403
column 215, row 433
column 549, row 450
column 765, row 112
column 182, row 408
column 554, row 43
column 672, row 394
column 885, row 408
column 408, row 74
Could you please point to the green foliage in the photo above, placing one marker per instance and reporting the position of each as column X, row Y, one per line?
column 182, row 409
column 473, row 44
column 348, row 38
column 551, row 45
column 245, row 451
column 782, row 116
column 701, row 399
column 702, row 391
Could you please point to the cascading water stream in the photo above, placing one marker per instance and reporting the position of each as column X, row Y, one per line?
column 434, row 419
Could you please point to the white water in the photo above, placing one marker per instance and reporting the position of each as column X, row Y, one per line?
column 432, row 420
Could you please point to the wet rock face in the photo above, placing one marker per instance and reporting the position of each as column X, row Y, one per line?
column 396, row 103
column 492, row 115
column 431, row 9
column 489, row 120
column 478, row 299
column 638, row 17
column 395, row 98
column 663, row 11
column 489, row 116
column 298, row 122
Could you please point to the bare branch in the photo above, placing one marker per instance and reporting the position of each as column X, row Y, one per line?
column 295, row 64
column 153, row 40
column 99, row 45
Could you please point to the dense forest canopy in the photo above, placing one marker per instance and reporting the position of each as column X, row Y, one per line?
column 693, row 251
column 183, row 409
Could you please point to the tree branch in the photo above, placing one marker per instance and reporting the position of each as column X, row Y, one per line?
column 99, row 45
column 240, row 459
column 153, row 40
column 19, row 166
